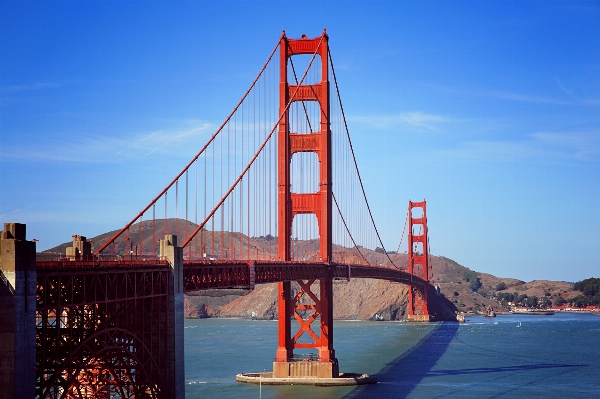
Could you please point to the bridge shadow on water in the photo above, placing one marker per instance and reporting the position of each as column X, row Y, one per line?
column 399, row 377
column 402, row 375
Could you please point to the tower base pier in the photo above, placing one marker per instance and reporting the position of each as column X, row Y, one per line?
column 419, row 317
column 306, row 369
column 306, row 372
column 344, row 379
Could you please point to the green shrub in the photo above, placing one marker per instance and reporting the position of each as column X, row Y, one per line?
column 559, row 301
column 473, row 280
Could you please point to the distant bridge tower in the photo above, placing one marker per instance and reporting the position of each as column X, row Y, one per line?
column 418, row 260
column 291, row 204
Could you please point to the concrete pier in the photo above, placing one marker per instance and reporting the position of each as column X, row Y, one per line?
column 344, row 379
column 17, row 313
column 302, row 369
column 419, row 317
column 176, row 373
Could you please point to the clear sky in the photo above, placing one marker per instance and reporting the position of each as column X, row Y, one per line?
column 488, row 110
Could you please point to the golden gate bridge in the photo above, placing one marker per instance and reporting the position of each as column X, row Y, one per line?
column 275, row 195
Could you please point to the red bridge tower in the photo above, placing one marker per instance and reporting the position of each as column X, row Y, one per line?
column 291, row 204
column 418, row 260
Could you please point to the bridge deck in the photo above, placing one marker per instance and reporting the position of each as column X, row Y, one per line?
column 203, row 275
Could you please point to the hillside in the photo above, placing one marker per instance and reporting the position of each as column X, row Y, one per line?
column 151, row 232
column 359, row 299
column 451, row 278
column 355, row 299
column 219, row 244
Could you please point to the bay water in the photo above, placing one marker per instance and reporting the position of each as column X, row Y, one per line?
column 509, row 356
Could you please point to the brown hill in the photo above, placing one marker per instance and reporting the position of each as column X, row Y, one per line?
column 450, row 276
column 151, row 232
column 356, row 299
column 359, row 299
column 218, row 244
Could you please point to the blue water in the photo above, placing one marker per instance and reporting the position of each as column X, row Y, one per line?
column 546, row 357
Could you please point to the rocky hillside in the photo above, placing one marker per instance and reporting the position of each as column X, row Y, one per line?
column 359, row 299
column 450, row 276
column 461, row 288
column 150, row 232
column 365, row 299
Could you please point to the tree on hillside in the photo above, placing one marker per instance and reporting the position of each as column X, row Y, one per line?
column 473, row 280
column 589, row 287
column 501, row 286
column 519, row 299
column 591, row 292
column 545, row 303
column 506, row 296
column 559, row 301
column 531, row 302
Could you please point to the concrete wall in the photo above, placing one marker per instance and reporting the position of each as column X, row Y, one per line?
column 174, row 255
column 17, row 313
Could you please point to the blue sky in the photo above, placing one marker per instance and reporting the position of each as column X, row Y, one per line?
column 488, row 110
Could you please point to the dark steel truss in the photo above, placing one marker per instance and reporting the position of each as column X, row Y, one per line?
column 102, row 329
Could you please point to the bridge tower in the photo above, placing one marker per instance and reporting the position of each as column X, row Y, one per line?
column 291, row 204
column 418, row 260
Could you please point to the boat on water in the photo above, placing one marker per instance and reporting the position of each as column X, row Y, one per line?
column 460, row 317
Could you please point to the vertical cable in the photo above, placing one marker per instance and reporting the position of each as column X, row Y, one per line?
column 254, row 167
column 233, row 195
column 228, row 183
column 202, row 239
column 196, row 202
column 248, row 194
column 242, row 186
column 221, row 196
column 177, row 207
column 212, row 233
column 186, row 206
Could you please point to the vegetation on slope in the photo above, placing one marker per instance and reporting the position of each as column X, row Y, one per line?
column 590, row 289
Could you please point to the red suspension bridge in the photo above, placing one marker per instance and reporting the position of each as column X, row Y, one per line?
column 275, row 195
